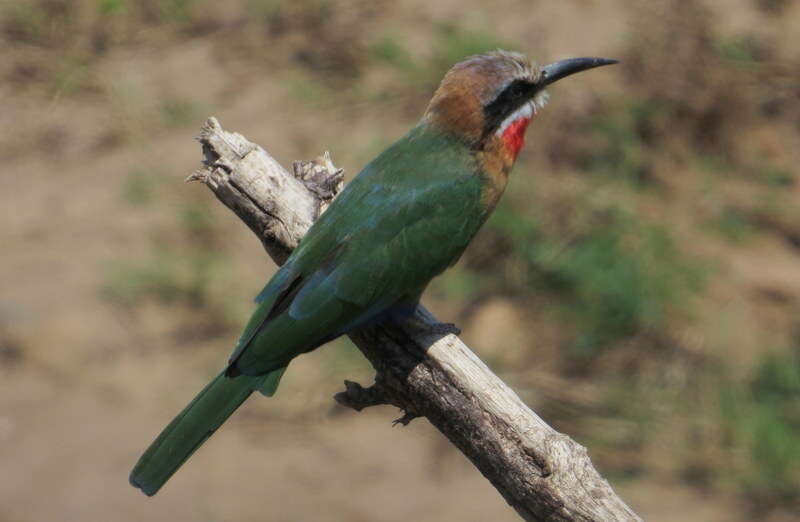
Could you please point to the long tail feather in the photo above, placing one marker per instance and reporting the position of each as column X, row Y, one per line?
column 196, row 423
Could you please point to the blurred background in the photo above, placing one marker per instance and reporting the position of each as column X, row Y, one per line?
column 639, row 285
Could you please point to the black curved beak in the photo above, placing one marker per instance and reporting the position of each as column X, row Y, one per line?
column 563, row 68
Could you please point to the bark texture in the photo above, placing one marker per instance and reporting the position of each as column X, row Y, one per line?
column 421, row 365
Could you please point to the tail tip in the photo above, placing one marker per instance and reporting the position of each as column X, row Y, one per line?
column 135, row 482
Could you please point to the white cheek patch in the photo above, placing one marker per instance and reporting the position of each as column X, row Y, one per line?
column 527, row 111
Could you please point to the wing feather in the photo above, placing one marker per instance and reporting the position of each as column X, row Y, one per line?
column 387, row 235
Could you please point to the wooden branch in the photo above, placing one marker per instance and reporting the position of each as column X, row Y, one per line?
column 421, row 366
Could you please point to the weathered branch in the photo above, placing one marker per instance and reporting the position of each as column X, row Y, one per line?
column 357, row 397
column 421, row 366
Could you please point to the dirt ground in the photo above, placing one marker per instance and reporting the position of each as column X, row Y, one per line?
column 87, row 382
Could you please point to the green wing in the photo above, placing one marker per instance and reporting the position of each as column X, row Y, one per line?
column 402, row 221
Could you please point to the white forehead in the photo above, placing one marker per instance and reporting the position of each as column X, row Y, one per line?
column 521, row 67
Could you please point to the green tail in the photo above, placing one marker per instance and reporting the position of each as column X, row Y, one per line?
column 201, row 418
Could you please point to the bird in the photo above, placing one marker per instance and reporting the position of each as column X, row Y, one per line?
column 404, row 219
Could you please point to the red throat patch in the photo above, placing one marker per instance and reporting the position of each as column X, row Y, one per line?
column 514, row 135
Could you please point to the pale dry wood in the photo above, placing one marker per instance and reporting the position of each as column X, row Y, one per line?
column 421, row 365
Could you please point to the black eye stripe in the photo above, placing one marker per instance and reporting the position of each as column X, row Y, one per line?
column 509, row 100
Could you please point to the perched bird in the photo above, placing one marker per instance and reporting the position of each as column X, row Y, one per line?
column 403, row 220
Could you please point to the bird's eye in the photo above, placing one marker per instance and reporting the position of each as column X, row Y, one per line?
column 517, row 90
column 506, row 102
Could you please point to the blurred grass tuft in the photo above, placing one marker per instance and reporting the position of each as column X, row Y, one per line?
column 613, row 275
column 762, row 419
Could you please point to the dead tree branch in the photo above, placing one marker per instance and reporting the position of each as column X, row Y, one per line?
column 421, row 366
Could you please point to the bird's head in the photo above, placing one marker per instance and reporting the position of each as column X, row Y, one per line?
column 488, row 100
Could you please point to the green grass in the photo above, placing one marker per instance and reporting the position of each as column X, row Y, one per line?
column 185, row 266
column 762, row 421
column 452, row 44
column 614, row 277
column 309, row 91
column 456, row 43
column 736, row 50
column 458, row 285
column 112, row 7
column 138, row 189
column 390, row 51
column 734, row 225
column 622, row 150
column 72, row 75
column 194, row 278
column 177, row 11
column 40, row 23
column 167, row 275
column 264, row 9
column 180, row 112
column 778, row 177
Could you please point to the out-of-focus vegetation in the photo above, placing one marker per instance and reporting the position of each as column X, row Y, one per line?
column 621, row 241
column 761, row 421
column 184, row 267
